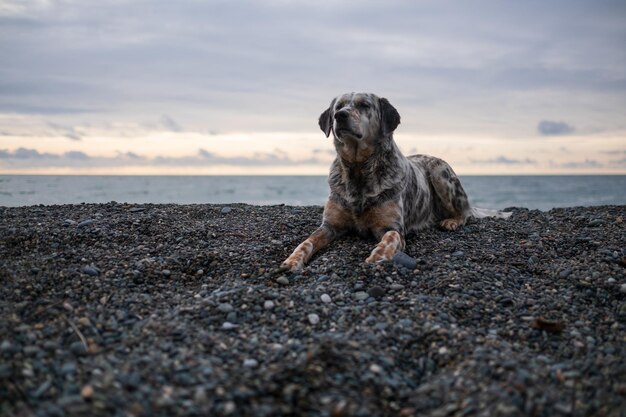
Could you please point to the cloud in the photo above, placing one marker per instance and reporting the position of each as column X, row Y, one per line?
column 67, row 131
column 587, row 163
column 503, row 160
column 29, row 158
column 552, row 128
column 619, row 162
column 170, row 124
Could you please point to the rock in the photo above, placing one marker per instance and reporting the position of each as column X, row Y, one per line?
column 396, row 287
column 228, row 325
column 313, row 318
column 360, row 295
column 402, row 259
column 268, row 304
column 78, row 348
column 458, row 254
column 376, row 292
column 136, row 209
column 225, row 308
column 226, row 210
column 622, row 288
column 166, row 272
column 91, row 270
column 325, row 298
column 85, row 223
column 68, row 368
column 282, row 280
column 565, row 273
column 250, row 363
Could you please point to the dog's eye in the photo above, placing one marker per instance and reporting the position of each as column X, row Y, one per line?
column 363, row 106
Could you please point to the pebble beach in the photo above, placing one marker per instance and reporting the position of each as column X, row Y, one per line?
column 177, row 310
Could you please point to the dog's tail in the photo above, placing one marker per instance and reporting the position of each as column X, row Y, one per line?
column 480, row 213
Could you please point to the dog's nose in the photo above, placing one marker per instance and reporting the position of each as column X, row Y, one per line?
column 341, row 115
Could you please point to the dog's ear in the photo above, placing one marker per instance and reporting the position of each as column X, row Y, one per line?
column 326, row 119
column 389, row 117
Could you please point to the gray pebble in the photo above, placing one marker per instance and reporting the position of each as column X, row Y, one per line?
column 376, row 292
column 360, row 295
column 226, row 210
column 232, row 316
column 313, row 318
column 396, row 287
column 85, row 223
column 78, row 348
column 325, row 298
column 225, row 308
column 250, row 363
column 268, row 304
column 458, row 254
column 68, row 368
column 166, row 272
column 402, row 259
column 282, row 280
column 622, row 288
column 228, row 325
column 91, row 270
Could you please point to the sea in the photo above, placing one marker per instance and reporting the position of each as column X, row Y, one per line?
column 496, row 192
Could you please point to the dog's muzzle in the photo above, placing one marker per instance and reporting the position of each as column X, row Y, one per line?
column 343, row 126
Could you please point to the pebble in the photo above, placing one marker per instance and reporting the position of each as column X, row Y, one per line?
column 396, row 287
column 78, row 348
column 376, row 292
column 611, row 280
column 68, row 368
column 136, row 209
column 313, row 318
column 268, row 304
column 458, row 254
column 360, row 295
column 226, row 210
column 228, row 325
column 402, row 259
column 282, row 280
column 325, row 298
column 622, row 288
column 85, row 223
column 250, row 363
column 91, row 271
column 225, row 308
column 166, row 272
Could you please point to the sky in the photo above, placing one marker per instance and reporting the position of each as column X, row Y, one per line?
column 236, row 87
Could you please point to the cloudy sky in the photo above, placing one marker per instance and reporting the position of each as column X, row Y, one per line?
column 235, row 87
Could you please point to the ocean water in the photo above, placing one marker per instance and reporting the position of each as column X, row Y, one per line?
column 535, row 192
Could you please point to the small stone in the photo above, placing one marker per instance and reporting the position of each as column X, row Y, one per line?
column 458, row 254
column 596, row 222
column 376, row 368
column 85, row 223
column 325, row 298
column 78, row 348
column 228, row 325
column 6, row 346
column 313, row 318
column 565, row 273
column 91, row 271
column 226, row 210
column 402, row 259
column 87, row 391
column 282, row 280
column 231, row 317
column 376, row 292
column 268, row 304
column 611, row 280
column 68, row 368
column 360, row 295
column 136, row 209
column 166, row 272
column 250, row 363
column 396, row 287
column 68, row 222
column 225, row 308
column 622, row 288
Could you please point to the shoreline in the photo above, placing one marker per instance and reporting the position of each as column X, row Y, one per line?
column 166, row 309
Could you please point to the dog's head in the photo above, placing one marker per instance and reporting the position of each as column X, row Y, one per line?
column 359, row 116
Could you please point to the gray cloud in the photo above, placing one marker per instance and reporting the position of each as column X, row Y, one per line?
column 587, row 163
column 29, row 158
column 284, row 61
column 67, row 131
column 552, row 128
column 170, row 124
column 503, row 160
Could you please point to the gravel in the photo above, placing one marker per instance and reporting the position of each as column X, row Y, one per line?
column 525, row 316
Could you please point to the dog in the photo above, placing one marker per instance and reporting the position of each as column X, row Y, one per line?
column 376, row 190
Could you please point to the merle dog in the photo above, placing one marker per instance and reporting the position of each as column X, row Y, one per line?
column 376, row 190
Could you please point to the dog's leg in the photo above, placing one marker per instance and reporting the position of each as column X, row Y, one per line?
column 321, row 238
column 336, row 219
column 451, row 195
column 391, row 242
column 386, row 223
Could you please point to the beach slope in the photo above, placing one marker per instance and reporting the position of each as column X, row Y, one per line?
column 117, row 309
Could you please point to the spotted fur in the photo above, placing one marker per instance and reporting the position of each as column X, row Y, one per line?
column 374, row 189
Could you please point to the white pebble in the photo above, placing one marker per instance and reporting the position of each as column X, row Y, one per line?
column 250, row 363
column 268, row 304
column 622, row 288
column 228, row 325
column 313, row 318
column 376, row 368
column 326, row 298
column 611, row 280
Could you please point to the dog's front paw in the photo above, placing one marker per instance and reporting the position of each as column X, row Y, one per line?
column 291, row 265
column 451, row 224
column 377, row 257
